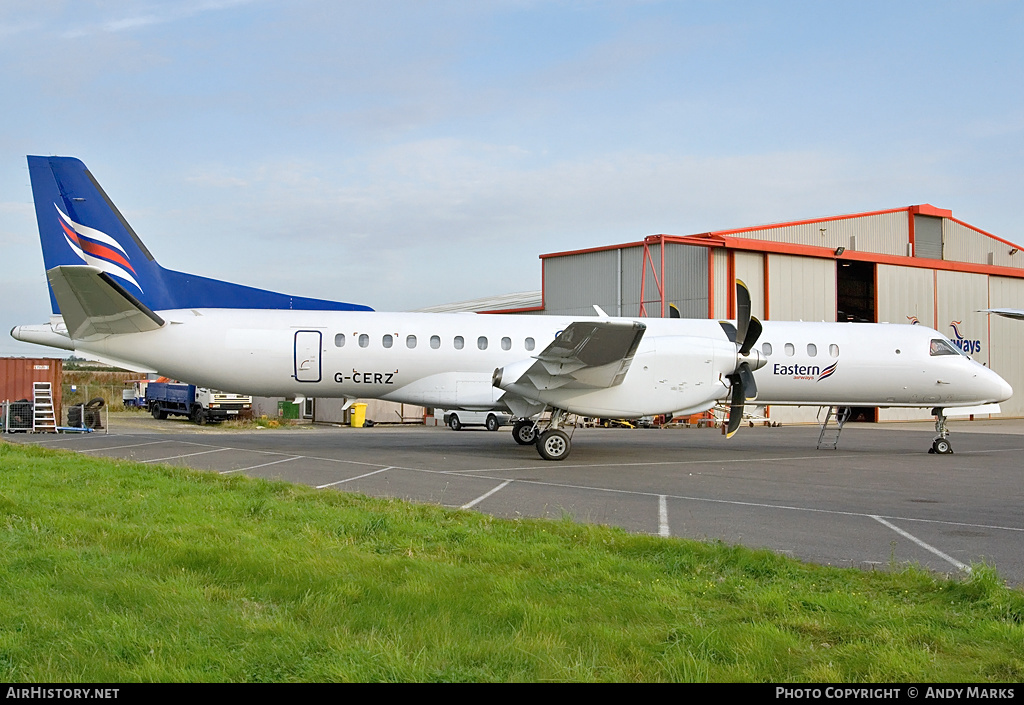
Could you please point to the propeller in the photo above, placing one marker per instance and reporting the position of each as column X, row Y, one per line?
column 742, row 386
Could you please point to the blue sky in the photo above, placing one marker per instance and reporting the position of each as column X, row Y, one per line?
column 402, row 154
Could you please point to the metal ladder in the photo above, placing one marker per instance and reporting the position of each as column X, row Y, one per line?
column 43, row 419
column 829, row 436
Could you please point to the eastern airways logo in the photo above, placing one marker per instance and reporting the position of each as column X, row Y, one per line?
column 97, row 249
column 807, row 372
column 971, row 347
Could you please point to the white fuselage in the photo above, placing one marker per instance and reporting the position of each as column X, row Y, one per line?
column 416, row 358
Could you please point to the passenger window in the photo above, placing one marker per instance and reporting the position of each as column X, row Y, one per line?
column 364, row 340
column 833, row 350
column 481, row 342
column 812, row 349
column 766, row 348
column 387, row 341
column 529, row 343
column 339, row 340
column 506, row 343
column 435, row 341
column 790, row 350
column 459, row 342
column 410, row 341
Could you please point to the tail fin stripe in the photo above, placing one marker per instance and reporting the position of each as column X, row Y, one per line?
column 91, row 233
column 96, row 249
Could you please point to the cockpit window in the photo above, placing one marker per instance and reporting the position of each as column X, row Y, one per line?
column 938, row 346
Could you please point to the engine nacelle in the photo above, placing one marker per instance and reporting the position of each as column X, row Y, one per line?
column 505, row 377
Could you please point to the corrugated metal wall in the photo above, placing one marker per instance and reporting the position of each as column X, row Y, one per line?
column 904, row 292
column 750, row 270
column 964, row 244
column 959, row 295
column 903, row 295
column 721, row 284
column 612, row 278
column 884, row 233
column 801, row 288
column 632, row 259
column 1006, row 338
column 686, row 279
column 574, row 283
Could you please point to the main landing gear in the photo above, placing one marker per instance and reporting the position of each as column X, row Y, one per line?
column 552, row 443
column 941, row 444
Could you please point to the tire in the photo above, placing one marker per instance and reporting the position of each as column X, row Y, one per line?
column 198, row 416
column 158, row 413
column 454, row 423
column 492, row 422
column 524, row 432
column 554, row 445
column 942, row 447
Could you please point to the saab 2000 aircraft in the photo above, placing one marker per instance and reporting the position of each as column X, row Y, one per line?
column 113, row 302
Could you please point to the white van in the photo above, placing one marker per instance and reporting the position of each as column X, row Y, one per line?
column 491, row 420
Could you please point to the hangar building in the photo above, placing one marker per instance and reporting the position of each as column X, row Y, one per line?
column 916, row 264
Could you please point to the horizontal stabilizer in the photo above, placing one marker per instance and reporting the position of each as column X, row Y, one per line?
column 95, row 306
column 1006, row 312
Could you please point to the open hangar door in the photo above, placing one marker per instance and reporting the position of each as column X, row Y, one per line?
column 855, row 303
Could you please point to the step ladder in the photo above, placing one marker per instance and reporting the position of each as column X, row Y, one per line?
column 829, row 436
column 43, row 419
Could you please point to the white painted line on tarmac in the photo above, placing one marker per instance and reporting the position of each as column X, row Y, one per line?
column 263, row 465
column 133, row 445
column 663, row 529
column 922, row 544
column 485, row 495
column 184, row 455
column 357, row 477
column 660, row 463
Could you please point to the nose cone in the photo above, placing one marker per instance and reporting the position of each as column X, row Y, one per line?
column 996, row 388
column 1005, row 390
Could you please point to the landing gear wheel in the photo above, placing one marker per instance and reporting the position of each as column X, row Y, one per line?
column 454, row 423
column 554, row 445
column 492, row 422
column 524, row 432
column 941, row 446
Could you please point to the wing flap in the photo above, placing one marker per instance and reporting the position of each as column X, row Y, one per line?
column 95, row 306
column 586, row 355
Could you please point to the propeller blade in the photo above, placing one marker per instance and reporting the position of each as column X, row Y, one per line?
column 754, row 329
column 747, row 382
column 742, row 310
column 735, row 408
column 673, row 311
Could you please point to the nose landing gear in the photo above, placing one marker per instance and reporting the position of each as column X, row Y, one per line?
column 941, row 445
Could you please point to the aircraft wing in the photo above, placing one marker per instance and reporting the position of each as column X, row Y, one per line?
column 1007, row 312
column 586, row 355
column 95, row 306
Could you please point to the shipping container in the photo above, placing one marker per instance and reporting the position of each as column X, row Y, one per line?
column 18, row 374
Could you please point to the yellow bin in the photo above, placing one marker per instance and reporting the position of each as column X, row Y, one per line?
column 357, row 417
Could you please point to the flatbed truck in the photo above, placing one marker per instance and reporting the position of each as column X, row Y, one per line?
column 199, row 404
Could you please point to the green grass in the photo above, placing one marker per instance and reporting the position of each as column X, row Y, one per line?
column 117, row 572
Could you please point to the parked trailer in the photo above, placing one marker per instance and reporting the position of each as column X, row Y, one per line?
column 201, row 405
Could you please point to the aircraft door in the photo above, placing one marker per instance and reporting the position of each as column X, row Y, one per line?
column 307, row 355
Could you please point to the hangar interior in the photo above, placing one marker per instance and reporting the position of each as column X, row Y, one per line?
column 916, row 264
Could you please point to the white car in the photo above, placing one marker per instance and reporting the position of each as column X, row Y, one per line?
column 491, row 420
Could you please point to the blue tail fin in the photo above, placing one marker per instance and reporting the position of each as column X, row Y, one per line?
column 79, row 224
